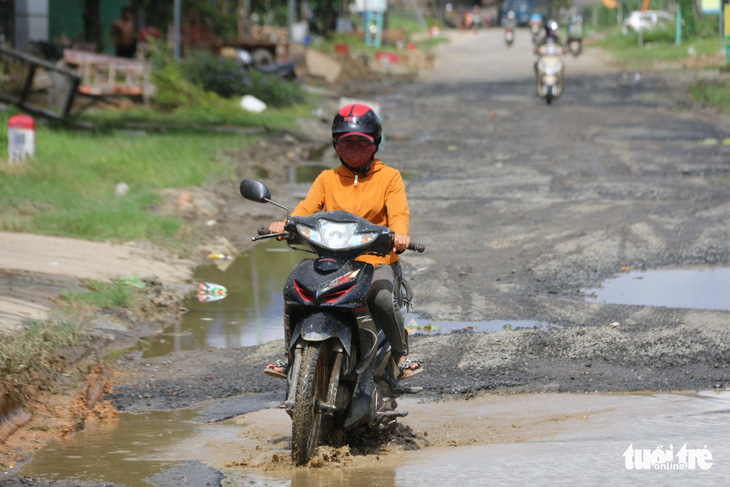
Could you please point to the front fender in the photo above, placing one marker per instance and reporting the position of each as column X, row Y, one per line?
column 319, row 327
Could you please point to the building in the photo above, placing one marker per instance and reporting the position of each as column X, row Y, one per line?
column 58, row 22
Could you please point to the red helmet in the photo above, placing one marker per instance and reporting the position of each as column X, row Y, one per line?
column 357, row 118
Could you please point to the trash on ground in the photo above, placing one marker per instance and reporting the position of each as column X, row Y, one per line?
column 209, row 292
column 219, row 256
column 122, row 189
column 252, row 104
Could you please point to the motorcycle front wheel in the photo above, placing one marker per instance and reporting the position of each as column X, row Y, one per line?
column 575, row 47
column 308, row 424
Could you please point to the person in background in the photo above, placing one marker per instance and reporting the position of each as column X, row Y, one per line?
column 125, row 39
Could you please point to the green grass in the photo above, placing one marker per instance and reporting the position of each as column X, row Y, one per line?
column 117, row 293
column 227, row 113
column 715, row 94
column 660, row 47
column 68, row 189
column 27, row 358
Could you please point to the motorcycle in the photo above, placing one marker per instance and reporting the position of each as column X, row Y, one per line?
column 509, row 36
column 342, row 375
column 575, row 46
column 286, row 71
column 549, row 72
column 575, row 40
column 575, row 36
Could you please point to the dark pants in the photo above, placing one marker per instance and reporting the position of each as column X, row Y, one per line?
column 127, row 51
column 384, row 307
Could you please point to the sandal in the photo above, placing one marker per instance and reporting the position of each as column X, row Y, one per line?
column 406, row 372
column 270, row 369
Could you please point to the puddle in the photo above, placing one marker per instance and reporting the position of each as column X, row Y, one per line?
column 540, row 439
column 678, row 288
column 418, row 325
column 305, row 173
column 127, row 450
column 317, row 153
column 251, row 312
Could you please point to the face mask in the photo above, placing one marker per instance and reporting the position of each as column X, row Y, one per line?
column 356, row 151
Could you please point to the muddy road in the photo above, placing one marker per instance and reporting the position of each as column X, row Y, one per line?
column 525, row 209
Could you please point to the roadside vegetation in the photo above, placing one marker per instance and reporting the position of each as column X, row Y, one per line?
column 403, row 29
column 699, row 41
column 71, row 187
column 31, row 360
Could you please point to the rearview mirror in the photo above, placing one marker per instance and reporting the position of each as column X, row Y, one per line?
column 255, row 191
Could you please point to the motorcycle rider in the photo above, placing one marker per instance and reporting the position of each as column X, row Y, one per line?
column 510, row 22
column 551, row 34
column 551, row 37
column 365, row 186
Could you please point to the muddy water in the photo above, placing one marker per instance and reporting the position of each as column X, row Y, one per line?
column 676, row 288
column 544, row 439
column 251, row 312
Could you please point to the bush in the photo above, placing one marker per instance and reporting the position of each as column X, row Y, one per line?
column 663, row 34
column 169, row 89
column 172, row 90
column 229, row 78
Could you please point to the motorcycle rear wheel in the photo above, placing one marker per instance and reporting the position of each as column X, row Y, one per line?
column 309, row 425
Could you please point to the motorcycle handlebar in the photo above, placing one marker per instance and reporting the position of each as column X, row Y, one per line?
column 417, row 247
column 413, row 246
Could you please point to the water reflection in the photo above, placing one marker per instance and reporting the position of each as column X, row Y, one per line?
column 675, row 288
column 127, row 450
column 251, row 312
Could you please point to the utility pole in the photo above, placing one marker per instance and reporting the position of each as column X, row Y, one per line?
column 176, row 31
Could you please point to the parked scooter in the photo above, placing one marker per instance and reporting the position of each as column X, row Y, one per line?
column 286, row 71
column 549, row 71
column 342, row 374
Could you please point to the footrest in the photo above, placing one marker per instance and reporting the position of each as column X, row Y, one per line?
column 411, row 389
column 391, row 415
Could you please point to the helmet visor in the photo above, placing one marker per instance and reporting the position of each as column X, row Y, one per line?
column 355, row 148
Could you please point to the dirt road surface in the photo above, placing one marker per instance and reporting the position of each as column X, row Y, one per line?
column 522, row 207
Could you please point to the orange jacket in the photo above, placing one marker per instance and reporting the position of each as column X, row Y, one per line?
column 379, row 197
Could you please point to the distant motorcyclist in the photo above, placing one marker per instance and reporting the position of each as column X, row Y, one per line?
column 510, row 22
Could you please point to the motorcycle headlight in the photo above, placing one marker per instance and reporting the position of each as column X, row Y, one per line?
column 336, row 235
